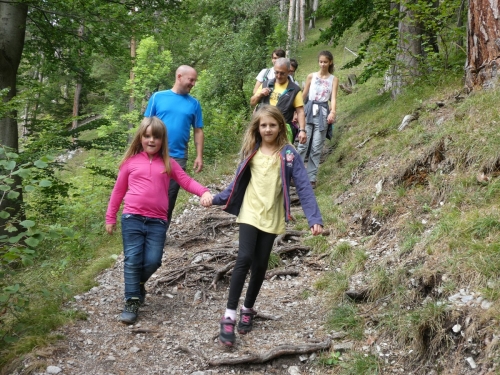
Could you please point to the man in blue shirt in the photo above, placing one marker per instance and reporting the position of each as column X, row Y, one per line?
column 179, row 111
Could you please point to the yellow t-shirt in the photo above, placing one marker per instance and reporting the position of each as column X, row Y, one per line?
column 278, row 90
column 263, row 201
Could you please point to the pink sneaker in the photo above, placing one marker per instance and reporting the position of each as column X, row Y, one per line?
column 246, row 320
column 227, row 336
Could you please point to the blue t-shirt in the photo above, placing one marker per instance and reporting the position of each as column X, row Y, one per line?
column 179, row 113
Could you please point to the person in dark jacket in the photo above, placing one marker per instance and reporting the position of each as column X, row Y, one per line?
column 283, row 93
column 259, row 196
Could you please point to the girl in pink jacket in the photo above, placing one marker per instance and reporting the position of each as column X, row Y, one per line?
column 142, row 184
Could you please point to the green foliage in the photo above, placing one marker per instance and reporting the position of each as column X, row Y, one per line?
column 344, row 317
column 360, row 363
column 330, row 359
column 151, row 67
column 19, row 237
column 378, row 22
column 274, row 260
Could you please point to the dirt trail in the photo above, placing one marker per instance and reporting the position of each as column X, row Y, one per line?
column 177, row 329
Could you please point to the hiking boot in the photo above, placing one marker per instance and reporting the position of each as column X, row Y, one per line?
column 246, row 320
column 227, row 336
column 313, row 184
column 129, row 313
column 143, row 293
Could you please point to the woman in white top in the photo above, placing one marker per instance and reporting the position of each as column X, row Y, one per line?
column 320, row 88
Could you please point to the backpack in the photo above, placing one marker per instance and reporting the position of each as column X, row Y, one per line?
column 264, row 79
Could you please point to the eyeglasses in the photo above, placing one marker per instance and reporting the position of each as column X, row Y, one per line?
column 280, row 73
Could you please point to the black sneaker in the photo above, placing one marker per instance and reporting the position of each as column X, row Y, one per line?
column 143, row 293
column 227, row 336
column 246, row 320
column 129, row 313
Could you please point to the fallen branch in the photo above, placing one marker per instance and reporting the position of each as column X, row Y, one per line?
column 276, row 352
column 265, row 316
column 143, row 330
column 282, row 272
column 364, row 142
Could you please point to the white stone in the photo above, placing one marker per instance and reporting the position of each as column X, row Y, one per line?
column 293, row 370
column 466, row 299
column 53, row 370
column 471, row 362
column 134, row 349
column 456, row 328
column 485, row 305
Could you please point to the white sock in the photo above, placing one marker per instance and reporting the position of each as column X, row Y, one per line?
column 246, row 308
column 230, row 314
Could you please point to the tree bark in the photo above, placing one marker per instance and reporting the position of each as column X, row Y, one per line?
column 409, row 50
column 291, row 11
column 302, row 21
column 483, row 45
column 12, row 31
column 312, row 21
column 78, row 88
column 131, row 100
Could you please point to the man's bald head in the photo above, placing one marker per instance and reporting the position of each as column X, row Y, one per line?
column 185, row 79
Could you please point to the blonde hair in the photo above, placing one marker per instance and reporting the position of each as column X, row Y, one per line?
column 252, row 135
column 159, row 131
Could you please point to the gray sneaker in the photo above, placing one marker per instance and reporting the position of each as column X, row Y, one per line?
column 129, row 313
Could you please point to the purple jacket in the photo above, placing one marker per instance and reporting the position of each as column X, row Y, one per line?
column 291, row 167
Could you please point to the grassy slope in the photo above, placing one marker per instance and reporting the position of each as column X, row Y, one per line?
column 432, row 231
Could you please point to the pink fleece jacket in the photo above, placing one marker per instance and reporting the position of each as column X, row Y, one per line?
column 143, row 186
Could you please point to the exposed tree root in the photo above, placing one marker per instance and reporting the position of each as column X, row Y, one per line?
column 221, row 272
column 282, row 272
column 276, row 352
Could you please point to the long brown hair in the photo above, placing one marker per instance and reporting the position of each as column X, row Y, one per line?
column 329, row 56
column 158, row 130
column 252, row 136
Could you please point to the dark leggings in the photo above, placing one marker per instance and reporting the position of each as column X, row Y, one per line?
column 253, row 254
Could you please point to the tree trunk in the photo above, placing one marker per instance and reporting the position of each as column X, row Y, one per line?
column 296, row 22
column 460, row 23
column 409, row 50
column 12, row 32
column 282, row 8
column 78, row 88
column 483, row 45
column 312, row 21
column 290, row 26
column 302, row 22
column 131, row 102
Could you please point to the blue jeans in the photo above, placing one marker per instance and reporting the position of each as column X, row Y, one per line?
column 315, row 147
column 173, row 191
column 143, row 242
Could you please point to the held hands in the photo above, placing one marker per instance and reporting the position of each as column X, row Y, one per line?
column 110, row 228
column 316, row 229
column 206, row 199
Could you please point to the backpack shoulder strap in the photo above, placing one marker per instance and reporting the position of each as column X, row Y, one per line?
column 265, row 75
